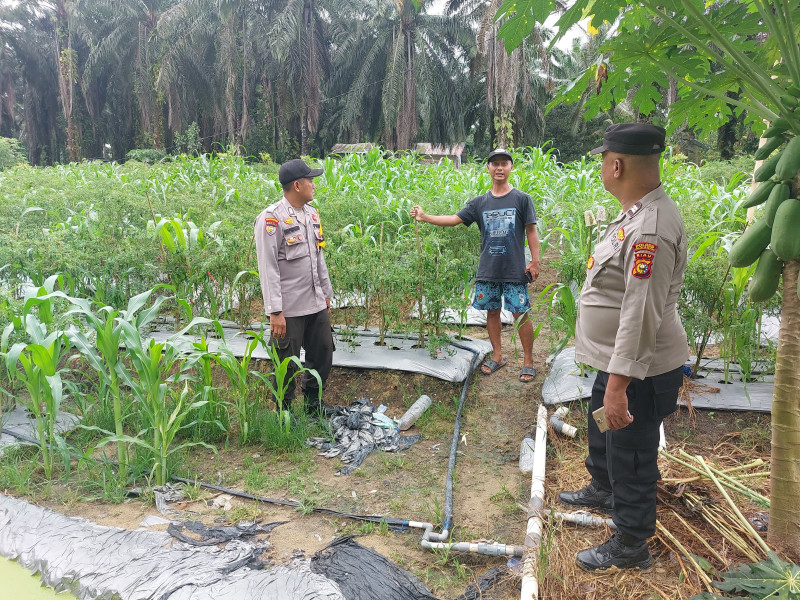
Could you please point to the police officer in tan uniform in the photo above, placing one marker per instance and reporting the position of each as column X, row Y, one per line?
column 294, row 279
column 628, row 328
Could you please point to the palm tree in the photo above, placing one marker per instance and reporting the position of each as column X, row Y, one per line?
column 122, row 56
column 299, row 41
column 418, row 59
column 25, row 30
column 517, row 85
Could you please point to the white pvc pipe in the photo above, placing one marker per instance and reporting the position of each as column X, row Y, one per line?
column 533, row 533
column 582, row 517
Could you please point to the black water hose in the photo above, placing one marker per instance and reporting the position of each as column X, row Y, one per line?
column 391, row 521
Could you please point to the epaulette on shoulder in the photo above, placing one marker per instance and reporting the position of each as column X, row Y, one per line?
column 272, row 207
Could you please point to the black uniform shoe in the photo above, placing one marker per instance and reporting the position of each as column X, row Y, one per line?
column 589, row 497
column 317, row 408
column 619, row 551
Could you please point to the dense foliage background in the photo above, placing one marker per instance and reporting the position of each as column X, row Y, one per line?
column 99, row 78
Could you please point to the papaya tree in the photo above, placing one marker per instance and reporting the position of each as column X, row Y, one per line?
column 726, row 59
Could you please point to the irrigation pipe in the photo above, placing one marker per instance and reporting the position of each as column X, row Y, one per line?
column 533, row 533
column 430, row 539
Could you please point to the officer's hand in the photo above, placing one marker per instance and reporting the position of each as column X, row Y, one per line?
column 328, row 304
column 277, row 326
column 417, row 212
column 616, row 402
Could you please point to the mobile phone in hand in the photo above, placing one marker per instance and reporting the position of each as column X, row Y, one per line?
column 600, row 418
column 528, row 276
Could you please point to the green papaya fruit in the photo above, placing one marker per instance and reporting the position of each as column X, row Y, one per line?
column 769, row 147
column 777, row 127
column 789, row 162
column 767, row 169
column 779, row 193
column 766, row 277
column 794, row 91
column 785, row 238
column 748, row 247
column 760, row 194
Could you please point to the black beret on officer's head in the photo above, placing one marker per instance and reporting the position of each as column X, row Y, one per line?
column 633, row 138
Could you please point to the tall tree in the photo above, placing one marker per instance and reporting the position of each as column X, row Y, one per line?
column 733, row 57
column 26, row 29
column 418, row 60
column 123, row 54
column 299, row 41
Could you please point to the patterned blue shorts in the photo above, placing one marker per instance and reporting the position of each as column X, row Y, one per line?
column 489, row 293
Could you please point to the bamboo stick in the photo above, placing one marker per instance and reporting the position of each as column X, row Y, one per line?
column 735, row 508
column 698, row 569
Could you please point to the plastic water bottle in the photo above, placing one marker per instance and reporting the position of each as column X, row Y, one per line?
column 526, row 455
column 413, row 413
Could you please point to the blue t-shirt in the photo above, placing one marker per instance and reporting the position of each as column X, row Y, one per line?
column 502, row 221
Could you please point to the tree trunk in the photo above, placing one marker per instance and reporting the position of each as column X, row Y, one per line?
column 784, row 518
column 67, row 70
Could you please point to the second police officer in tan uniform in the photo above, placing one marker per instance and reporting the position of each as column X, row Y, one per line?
column 294, row 279
column 629, row 329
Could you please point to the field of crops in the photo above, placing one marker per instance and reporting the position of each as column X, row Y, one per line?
column 109, row 248
column 94, row 254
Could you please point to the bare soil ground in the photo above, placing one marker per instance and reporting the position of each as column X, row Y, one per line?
column 490, row 492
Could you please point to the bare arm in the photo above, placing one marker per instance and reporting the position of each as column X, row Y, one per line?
column 533, row 243
column 441, row 220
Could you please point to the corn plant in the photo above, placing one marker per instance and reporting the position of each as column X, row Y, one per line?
column 214, row 411
column 158, row 366
column 238, row 372
column 279, row 380
column 101, row 349
column 39, row 361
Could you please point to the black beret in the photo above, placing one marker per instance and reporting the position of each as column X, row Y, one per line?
column 633, row 138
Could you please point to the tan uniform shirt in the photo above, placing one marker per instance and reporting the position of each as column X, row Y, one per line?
column 628, row 321
column 291, row 265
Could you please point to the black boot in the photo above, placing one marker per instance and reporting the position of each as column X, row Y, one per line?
column 590, row 496
column 314, row 406
column 620, row 550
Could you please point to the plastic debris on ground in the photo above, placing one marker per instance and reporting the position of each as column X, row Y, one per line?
column 356, row 433
column 360, row 349
column 94, row 561
column 564, row 383
column 363, row 574
column 21, row 421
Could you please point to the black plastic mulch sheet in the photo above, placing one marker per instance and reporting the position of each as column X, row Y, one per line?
column 363, row 574
column 356, row 433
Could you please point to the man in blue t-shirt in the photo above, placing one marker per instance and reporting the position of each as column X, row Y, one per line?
column 506, row 218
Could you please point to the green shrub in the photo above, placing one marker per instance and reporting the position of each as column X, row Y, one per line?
column 11, row 153
column 150, row 156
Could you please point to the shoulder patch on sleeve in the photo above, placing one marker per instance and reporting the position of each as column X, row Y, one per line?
column 270, row 225
column 644, row 254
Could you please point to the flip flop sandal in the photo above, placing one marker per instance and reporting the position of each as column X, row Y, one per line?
column 492, row 365
column 527, row 371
